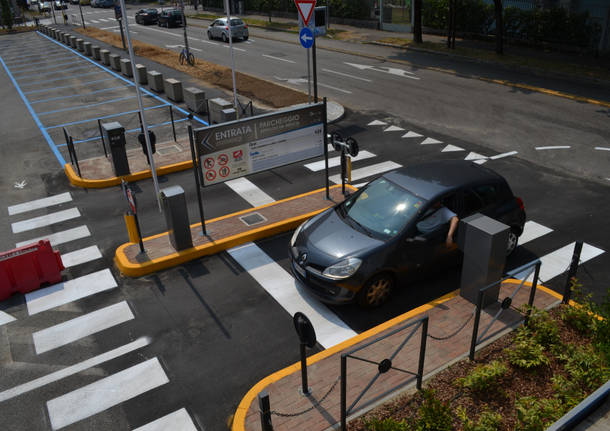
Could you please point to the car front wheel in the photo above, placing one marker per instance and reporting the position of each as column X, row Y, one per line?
column 225, row 38
column 210, row 35
column 376, row 291
column 513, row 240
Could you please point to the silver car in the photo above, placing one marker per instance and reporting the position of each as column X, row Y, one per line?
column 220, row 30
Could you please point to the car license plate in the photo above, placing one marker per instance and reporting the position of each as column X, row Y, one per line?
column 300, row 270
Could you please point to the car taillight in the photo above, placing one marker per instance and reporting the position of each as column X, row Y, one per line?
column 245, row 25
column 226, row 28
column 520, row 203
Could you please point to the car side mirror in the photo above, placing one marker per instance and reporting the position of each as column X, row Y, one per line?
column 417, row 239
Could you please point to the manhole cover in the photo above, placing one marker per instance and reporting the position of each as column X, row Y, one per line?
column 252, row 219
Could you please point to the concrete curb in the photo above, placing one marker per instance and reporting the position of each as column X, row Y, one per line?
column 137, row 270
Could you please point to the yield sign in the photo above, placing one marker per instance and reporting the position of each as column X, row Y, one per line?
column 305, row 8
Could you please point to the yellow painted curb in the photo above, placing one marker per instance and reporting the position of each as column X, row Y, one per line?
column 114, row 181
column 239, row 420
column 137, row 270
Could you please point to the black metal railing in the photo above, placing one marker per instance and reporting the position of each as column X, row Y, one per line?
column 523, row 272
column 72, row 151
column 383, row 366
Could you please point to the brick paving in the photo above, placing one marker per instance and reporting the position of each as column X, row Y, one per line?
column 444, row 320
column 168, row 153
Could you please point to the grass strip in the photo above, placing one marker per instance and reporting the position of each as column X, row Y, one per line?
column 269, row 93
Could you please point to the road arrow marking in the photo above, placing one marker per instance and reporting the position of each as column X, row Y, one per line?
column 390, row 70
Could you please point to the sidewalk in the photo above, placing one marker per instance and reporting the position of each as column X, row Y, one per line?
column 322, row 409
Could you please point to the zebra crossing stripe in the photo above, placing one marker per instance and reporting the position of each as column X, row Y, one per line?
column 330, row 329
column 45, row 220
column 73, row 369
column 80, row 327
column 558, row 261
column 249, row 191
column 368, row 171
column 62, row 293
column 532, row 231
column 105, row 393
column 336, row 161
column 5, row 318
column 81, row 256
column 39, row 203
column 62, row 237
column 176, row 421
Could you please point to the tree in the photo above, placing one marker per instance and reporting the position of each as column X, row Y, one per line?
column 7, row 14
column 499, row 27
column 417, row 38
column 451, row 23
column 268, row 6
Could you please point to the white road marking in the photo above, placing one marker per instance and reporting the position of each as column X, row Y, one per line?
column 391, row 70
column 105, row 393
column 73, row 369
column 376, row 123
column 45, row 220
column 451, row 148
column 412, row 135
column 533, row 230
column 368, row 171
column 280, row 59
column 602, row 148
column 62, row 293
column 554, row 147
column 176, row 421
column 5, row 318
column 330, row 330
column 347, row 75
column 80, row 327
column 429, row 141
column 39, row 203
column 394, row 129
column 237, row 49
column 62, row 237
column 474, row 156
column 336, row 161
column 95, row 21
column 81, row 256
column 249, row 191
column 103, row 19
column 499, row 156
column 359, row 185
column 558, row 261
column 480, row 161
column 111, row 28
column 334, row 88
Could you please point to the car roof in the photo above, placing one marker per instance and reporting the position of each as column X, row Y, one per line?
column 434, row 179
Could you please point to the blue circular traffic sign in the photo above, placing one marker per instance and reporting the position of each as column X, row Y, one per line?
column 306, row 37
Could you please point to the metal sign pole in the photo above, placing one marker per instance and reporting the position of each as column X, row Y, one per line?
column 308, row 78
column 315, row 71
column 232, row 57
column 82, row 19
column 197, row 183
column 53, row 12
column 186, row 41
column 120, row 20
column 132, row 58
column 325, row 131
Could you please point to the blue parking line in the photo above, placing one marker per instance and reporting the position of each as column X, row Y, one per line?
column 77, row 95
column 104, row 117
column 46, row 90
column 177, row 108
column 73, row 108
column 52, row 145
column 137, row 129
column 29, row 69
column 59, row 79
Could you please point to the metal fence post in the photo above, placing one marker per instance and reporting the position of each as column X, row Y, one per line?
column 475, row 329
column 422, row 352
column 171, row 116
column 343, row 392
column 99, row 126
column 567, row 291
column 530, row 302
column 265, row 410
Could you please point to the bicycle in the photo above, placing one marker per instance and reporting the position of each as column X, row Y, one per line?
column 187, row 56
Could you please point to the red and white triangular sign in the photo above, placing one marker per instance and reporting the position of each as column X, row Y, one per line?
column 305, row 8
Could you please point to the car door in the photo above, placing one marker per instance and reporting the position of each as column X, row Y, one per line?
column 214, row 29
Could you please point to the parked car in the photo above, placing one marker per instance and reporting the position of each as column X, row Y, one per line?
column 85, row 2
column 170, row 18
column 105, row 3
column 59, row 5
column 220, row 30
column 75, row 1
column 147, row 16
column 362, row 248
column 44, row 6
column 95, row 3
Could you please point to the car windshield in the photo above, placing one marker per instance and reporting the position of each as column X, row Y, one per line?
column 383, row 209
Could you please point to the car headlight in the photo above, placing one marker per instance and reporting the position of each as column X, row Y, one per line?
column 296, row 234
column 345, row 268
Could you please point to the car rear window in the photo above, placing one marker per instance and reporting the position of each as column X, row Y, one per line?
column 235, row 22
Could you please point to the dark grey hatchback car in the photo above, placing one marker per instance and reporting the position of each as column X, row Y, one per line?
column 363, row 247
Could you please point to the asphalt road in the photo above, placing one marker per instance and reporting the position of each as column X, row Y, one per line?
column 205, row 332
